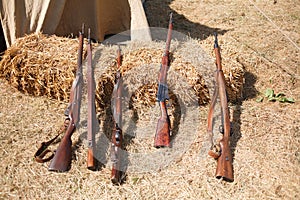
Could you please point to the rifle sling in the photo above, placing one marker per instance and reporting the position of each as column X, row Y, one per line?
column 215, row 150
column 213, row 104
column 43, row 150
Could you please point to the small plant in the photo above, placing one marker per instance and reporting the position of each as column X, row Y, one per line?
column 271, row 96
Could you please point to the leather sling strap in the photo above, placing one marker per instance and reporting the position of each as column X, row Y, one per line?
column 215, row 148
column 40, row 154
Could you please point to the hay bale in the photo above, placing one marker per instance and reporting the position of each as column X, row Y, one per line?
column 140, row 69
column 234, row 79
column 41, row 65
column 190, row 76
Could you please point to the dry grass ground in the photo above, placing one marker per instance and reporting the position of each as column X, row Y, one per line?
column 263, row 36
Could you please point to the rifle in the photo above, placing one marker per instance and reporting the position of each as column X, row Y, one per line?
column 162, row 136
column 117, row 137
column 91, row 164
column 221, row 151
column 61, row 161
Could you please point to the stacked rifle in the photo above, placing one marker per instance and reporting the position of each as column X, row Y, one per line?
column 61, row 159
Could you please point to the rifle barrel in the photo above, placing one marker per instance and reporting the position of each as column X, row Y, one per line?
column 217, row 54
column 91, row 164
column 169, row 35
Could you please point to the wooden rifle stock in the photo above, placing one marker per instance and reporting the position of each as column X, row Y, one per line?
column 162, row 135
column 91, row 162
column 61, row 161
column 117, row 139
column 224, row 158
column 117, row 136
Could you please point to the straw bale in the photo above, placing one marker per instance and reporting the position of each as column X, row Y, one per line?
column 41, row 65
column 45, row 65
column 188, row 76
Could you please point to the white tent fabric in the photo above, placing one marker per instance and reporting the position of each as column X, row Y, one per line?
column 139, row 24
column 63, row 17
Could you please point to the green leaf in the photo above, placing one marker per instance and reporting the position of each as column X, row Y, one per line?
column 282, row 99
column 259, row 99
column 286, row 100
column 269, row 93
column 280, row 94
column 272, row 98
column 290, row 100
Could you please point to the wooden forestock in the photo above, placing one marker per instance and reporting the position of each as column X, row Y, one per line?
column 61, row 161
column 162, row 135
column 224, row 164
column 117, row 137
column 91, row 162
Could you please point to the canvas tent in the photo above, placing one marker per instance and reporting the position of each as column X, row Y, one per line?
column 64, row 17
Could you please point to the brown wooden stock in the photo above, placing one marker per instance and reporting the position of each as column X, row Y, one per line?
column 91, row 162
column 116, row 173
column 117, row 136
column 162, row 135
column 224, row 163
column 61, row 161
